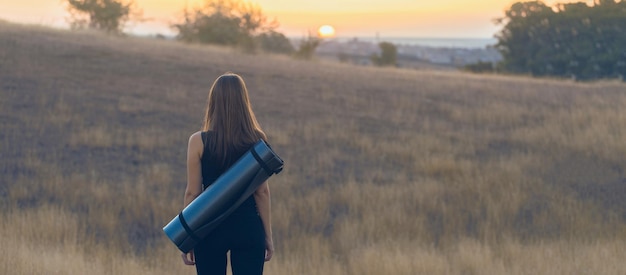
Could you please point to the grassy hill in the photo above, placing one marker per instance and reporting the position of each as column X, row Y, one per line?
column 388, row 171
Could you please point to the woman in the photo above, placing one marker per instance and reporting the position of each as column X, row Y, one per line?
column 230, row 129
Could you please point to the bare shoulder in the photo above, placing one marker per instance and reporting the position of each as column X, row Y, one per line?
column 195, row 143
column 195, row 137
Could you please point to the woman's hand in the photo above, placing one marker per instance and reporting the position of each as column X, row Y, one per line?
column 269, row 249
column 189, row 258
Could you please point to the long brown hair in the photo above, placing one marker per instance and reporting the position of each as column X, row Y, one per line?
column 229, row 115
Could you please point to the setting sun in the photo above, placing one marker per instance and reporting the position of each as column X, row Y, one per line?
column 326, row 31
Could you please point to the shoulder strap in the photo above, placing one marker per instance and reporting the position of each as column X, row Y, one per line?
column 204, row 136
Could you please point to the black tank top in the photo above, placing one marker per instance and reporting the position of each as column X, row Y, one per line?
column 212, row 168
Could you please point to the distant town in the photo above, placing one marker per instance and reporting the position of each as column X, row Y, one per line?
column 358, row 51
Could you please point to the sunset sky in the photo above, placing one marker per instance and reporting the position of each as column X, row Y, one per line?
column 392, row 18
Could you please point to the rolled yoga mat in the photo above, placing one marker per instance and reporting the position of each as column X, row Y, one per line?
column 223, row 196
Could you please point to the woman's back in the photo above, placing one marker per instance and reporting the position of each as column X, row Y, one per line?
column 212, row 168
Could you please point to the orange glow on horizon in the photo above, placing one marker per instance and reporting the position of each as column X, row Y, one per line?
column 443, row 18
column 326, row 31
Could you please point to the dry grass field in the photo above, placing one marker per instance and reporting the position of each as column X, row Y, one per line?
column 388, row 171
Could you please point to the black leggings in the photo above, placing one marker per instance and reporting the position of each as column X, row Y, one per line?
column 244, row 237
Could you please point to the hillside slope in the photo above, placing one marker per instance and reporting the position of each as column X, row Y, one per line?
column 382, row 164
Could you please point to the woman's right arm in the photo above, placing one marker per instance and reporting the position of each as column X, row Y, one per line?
column 263, row 202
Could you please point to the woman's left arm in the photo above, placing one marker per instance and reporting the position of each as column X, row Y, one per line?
column 194, row 168
column 194, row 180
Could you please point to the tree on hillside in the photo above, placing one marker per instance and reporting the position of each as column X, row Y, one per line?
column 225, row 22
column 388, row 55
column 568, row 40
column 307, row 47
column 105, row 15
column 275, row 42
